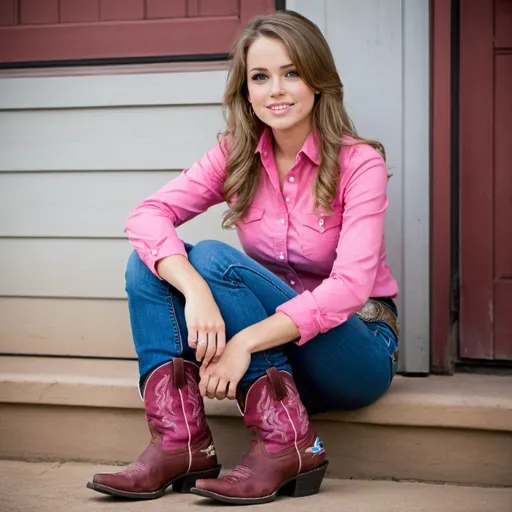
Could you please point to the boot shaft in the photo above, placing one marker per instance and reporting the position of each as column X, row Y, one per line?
column 273, row 409
column 174, row 406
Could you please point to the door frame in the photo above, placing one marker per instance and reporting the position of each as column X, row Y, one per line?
column 443, row 173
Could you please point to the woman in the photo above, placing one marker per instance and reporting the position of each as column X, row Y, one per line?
column 307, row 311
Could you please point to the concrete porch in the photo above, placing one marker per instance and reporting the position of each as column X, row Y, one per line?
column 60, row 487
column 436, row 429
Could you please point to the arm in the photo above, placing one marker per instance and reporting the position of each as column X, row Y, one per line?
column 353, row 274
column 337, row 298
column 151, row 226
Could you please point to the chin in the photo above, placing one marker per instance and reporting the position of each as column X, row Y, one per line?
column 280, row 124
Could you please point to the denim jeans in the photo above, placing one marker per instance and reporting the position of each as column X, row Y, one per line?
column 348, row 367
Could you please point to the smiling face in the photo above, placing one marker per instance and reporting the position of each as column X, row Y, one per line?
column 279, row 97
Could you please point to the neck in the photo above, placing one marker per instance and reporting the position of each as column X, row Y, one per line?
column 287, row 144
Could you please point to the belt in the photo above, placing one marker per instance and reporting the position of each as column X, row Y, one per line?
column 375, row 311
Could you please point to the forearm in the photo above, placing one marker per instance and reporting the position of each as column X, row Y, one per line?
column 275, row 330
column 178, row 272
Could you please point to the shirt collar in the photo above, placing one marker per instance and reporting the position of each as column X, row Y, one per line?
column 309, row 148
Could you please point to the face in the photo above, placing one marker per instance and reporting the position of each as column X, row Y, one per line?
column 279, row 97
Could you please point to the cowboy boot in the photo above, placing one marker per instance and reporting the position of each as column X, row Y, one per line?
column 181, row 449
column 286, row 456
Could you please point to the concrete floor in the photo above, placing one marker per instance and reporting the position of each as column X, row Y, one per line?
column 60, row 487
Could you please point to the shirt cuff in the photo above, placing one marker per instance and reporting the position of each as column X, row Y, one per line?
column 152, row 255
column 303, row 312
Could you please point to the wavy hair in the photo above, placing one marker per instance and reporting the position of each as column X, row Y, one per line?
column 310, row 53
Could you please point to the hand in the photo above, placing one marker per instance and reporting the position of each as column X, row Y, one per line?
column 206, row 329
column 219, row 380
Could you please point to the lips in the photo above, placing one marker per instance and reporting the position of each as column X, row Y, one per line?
column 280, row 106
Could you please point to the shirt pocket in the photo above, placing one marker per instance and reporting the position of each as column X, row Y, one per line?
column 320, row 235
column 253, row 214
column 249, row 229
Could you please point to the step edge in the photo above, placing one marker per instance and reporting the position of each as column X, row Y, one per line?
column 392, row 411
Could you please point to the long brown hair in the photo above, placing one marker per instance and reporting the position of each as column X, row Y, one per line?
column 315, row 64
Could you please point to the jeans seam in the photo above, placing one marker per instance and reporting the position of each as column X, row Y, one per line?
column 175, row 325
column 269, row 281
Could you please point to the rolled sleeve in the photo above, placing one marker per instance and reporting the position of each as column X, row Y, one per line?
column 151, row 226
column 353, row 274
column 304, row 312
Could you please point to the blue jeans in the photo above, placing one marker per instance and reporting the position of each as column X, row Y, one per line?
column 348, row 367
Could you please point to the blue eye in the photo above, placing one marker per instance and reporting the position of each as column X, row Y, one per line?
column 259, row 77
column 292, row 73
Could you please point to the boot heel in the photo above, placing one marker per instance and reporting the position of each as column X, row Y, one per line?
column 186, row 482
column 305, row 484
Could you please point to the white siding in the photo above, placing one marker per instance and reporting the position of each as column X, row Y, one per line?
column 78, row 152
column 381, row 48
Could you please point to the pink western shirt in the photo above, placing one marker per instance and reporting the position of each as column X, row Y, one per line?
column 334, row 263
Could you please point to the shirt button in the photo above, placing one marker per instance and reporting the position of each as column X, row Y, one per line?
column 154, row 252
column 292, row 179
column 281, row 256
column 321, row 222
column 287, row 199
column 292, row 282
column 282, row 221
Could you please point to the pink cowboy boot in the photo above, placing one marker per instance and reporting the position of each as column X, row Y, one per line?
column 286, row 456
column 181, row 449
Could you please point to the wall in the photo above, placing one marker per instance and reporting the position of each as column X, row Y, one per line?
column 78, row 152
column 381, row 48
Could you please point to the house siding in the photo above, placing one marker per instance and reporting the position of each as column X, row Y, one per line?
column 78, row 152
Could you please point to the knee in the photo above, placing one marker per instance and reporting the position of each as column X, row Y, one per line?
column 206, row 253
column 137, row 273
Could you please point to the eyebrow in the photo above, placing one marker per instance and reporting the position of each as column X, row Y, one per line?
column 265, row 69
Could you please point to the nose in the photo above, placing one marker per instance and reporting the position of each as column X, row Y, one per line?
column 277, row 88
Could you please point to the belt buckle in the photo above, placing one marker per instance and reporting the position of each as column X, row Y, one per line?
column 372, row 311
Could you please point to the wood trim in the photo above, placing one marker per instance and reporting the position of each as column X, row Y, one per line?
column 113, row 40
column 132, row 39
column 476, row 178
column 119, row 69
column 440, row 326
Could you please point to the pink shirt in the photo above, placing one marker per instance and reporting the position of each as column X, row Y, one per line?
column 335, row 263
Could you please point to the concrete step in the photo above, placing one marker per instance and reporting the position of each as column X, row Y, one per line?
column 440, row 429
column 60, row 487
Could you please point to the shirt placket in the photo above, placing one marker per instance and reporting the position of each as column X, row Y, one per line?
column 286, row 204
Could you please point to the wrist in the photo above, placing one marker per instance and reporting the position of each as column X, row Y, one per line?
column 246, row 340
column 195, row 287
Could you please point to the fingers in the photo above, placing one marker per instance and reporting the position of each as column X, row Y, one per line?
column 202, row 344
column 211, row 388
column 221, row 344
column 231, row 391
column 203, row 383
column 211, row 347
column 221, row 390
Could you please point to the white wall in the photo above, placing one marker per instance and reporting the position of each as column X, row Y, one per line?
column 381, row 49
column 78, row 152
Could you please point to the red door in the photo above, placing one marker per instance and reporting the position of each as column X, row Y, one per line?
column 486, row 179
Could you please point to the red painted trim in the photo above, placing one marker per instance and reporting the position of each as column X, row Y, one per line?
column 157, row 9
column 440, row 286
column 39, row 12
column 8, row 10
column 476, row 178
column 117, row 39
column 123, row 36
